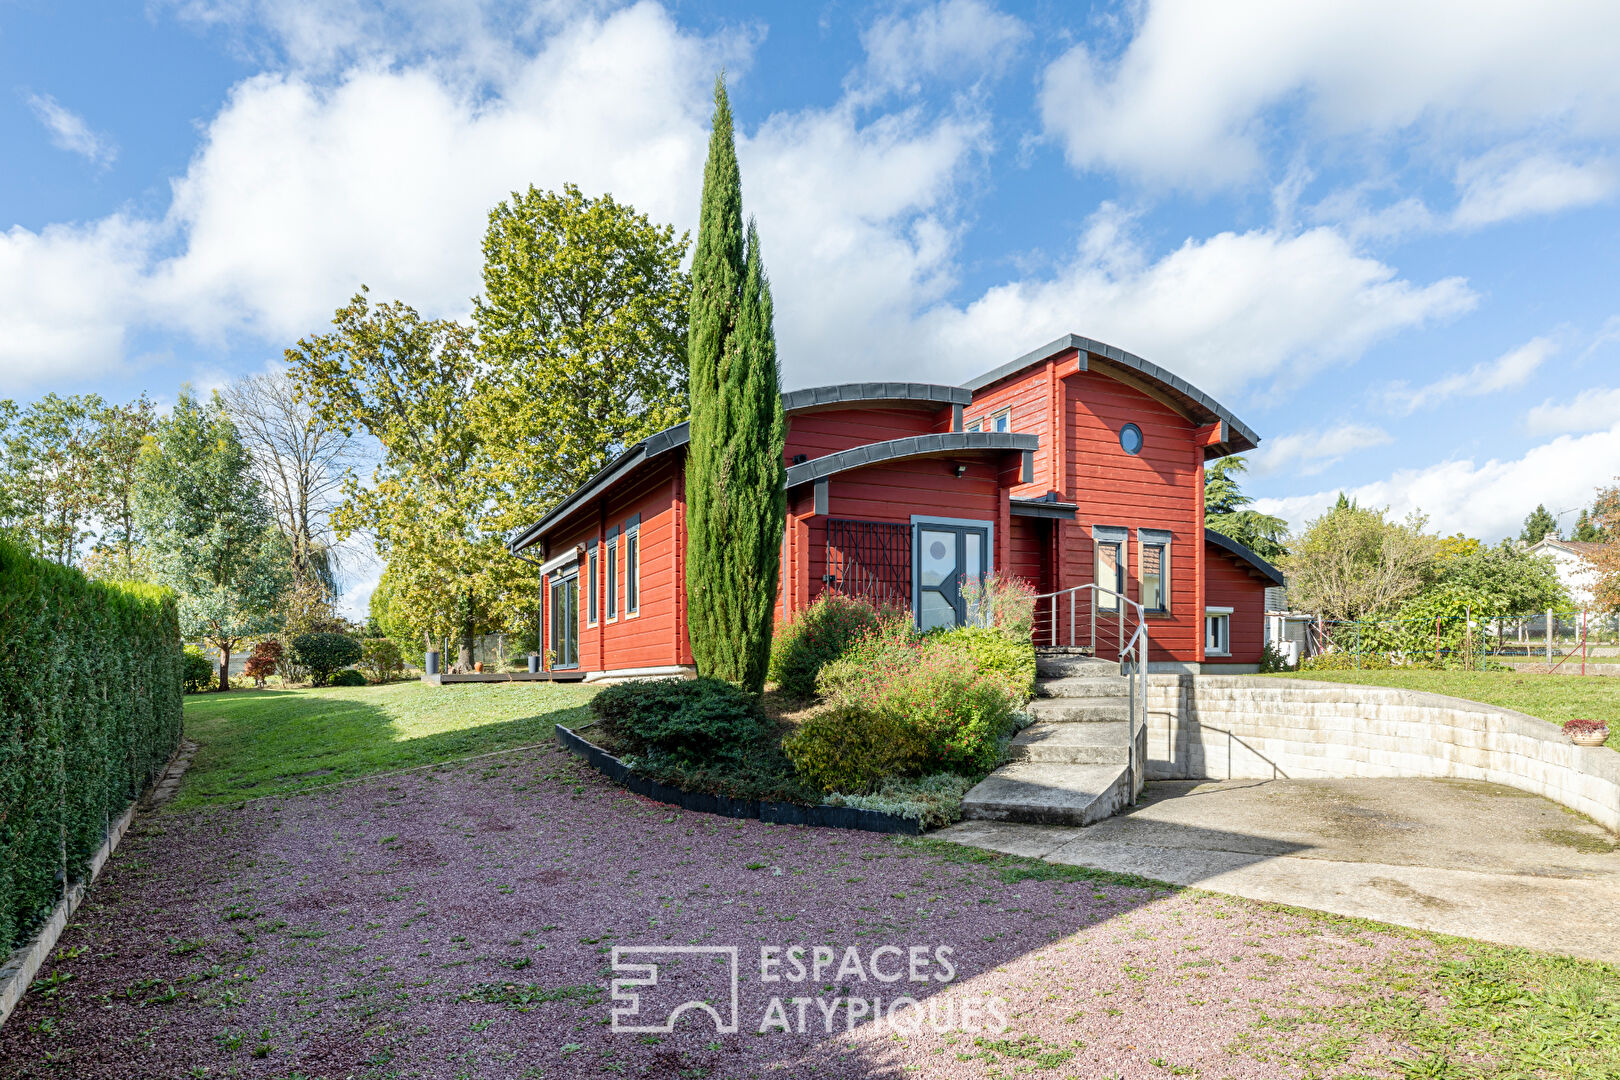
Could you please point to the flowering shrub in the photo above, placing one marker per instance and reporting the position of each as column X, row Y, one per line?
column 1584, row 727
column 815, row 636
column 998, row 656
column 928, row 683
column 1001, row 601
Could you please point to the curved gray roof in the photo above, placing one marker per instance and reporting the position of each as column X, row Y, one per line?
column 1243, row 552
column 913, row 446
column 925, row 394
column 1181, row 394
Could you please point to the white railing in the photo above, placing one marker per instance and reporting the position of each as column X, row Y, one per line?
column 1101, row 621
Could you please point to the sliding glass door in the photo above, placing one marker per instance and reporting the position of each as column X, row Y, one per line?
column 565, row 621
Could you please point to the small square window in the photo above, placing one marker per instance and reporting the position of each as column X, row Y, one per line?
column 1217, row 633
column 977, row 425
column 1002, row 421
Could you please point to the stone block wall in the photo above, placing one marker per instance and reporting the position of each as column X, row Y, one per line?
column 1221, row 727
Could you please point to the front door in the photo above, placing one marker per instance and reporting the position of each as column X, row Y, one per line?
column 565, row 621
column 946, row 556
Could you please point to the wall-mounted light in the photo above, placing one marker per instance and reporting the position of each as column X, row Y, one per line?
column 961, row 470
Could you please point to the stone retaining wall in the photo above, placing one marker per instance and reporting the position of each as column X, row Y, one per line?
column 1223, row 727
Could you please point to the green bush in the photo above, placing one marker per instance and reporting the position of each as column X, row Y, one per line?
column 932, row 801
column 931, row 685
column 346, row 677
column 998, row 655
column 851, row 750
column 1345, row 660
column 691, row 721
column 196, row 671
column 324, row 653
column 815, row 637
column 380, row 658
column 90, row 685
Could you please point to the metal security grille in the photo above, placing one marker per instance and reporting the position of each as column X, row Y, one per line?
column 870, row 560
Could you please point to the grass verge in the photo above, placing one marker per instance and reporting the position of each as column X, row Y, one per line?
column 254, row 743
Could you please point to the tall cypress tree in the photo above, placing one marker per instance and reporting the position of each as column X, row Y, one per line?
column 735, row 497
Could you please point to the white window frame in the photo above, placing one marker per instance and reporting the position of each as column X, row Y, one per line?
column 976, row 426
column 632, row 567
column 593, row 582
column 1120, row 537
column 1224, row 616
column 998, row 418
column 610, row 576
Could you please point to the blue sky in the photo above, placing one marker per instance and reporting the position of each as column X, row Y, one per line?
column 1383, row 233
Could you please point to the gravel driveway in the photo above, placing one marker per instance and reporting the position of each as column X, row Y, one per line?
column 462, row 921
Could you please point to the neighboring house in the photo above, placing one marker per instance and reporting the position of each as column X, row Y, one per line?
column 1570, row 557
column 1074, row 464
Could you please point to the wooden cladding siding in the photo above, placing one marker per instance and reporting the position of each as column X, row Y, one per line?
column 827, row 431
column 1033, row 398
column 1229, row 583
column 652, row 637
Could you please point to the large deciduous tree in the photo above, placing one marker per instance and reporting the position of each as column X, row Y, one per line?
column 1224, row 512
column 121, row 437
column 1605, row 560
column 208, row 528
column 50, row 474
column 409, row 383
column 1353, row 562
column 582, row 342
column 736, row 502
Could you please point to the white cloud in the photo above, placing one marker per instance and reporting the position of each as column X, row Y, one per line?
column 1187, row 98
column 1498, row 186
column 1487, row 500
column 1512, row 368
column 1220, row 312
column 1307, row 453
column 68, row 131
column 954, row 38
column 1591, row 409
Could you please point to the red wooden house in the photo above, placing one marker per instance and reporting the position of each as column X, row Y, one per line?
column 1078, row 467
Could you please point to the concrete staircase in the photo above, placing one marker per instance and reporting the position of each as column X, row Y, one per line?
column 1072, row 766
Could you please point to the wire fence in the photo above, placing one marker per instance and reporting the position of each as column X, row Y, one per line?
column 1566, row 642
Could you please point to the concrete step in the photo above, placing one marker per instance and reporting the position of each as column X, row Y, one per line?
column 1050, row 665
column 1073, row 744
column 1091, row 686
column 1068, row 710
column 1047, row 794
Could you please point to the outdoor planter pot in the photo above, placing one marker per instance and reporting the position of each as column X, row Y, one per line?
column 1587, row 732
column 432, row 661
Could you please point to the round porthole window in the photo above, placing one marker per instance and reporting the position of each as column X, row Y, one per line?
column 1130, row 439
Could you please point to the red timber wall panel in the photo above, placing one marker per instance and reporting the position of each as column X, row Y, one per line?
column 1156, row 489
column 1029, row 538
column 893, row 492
column 1031, row 397
column 650, row 637
column 816, row 434
column 1229, row 584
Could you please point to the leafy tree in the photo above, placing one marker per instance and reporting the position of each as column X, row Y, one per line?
column 50, row 474
column 120, row 438
column 1224, row 501
column 1586, row 530
column 1537, row 525
column 736, row 502
column 208, row 527
column 1500, row 580
column 408, row 382
column 582, row 342
column 1352, row 562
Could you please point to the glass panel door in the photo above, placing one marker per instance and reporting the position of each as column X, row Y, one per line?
column 565, row 621
column 946, row 556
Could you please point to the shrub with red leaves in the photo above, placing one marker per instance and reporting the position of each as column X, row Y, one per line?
column 1584, row 727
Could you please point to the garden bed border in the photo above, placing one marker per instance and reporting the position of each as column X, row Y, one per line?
column 774, row 813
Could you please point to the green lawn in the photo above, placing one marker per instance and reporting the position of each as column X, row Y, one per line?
column 1554, row 698
column 270, row 742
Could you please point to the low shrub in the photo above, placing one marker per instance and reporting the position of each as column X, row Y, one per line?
column 999, row 656
column 1584, row 727
column 346, row 677
column 690, row 721
column 380, row 658
column 850, row 749
column 1341, row 660
column 261, row 663
column 932, row 801
column 1273, row 662
column 930, row 684
column 323, row 653
column 1001, row 601
column 814, row 638
column 196, row 671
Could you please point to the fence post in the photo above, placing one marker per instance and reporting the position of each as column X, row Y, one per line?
column 1549, row 637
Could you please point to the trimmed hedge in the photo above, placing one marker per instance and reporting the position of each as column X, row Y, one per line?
column 89, row 714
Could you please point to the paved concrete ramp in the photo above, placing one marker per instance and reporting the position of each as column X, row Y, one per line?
column 1458, row 857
